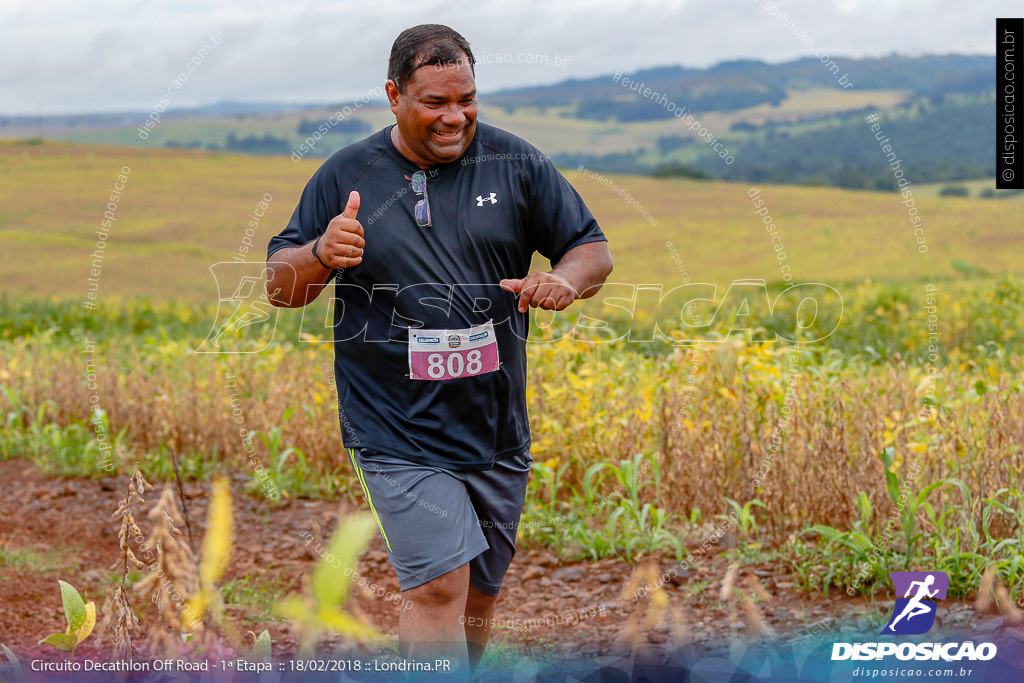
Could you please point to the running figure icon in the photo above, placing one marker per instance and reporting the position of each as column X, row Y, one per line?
column 915, row 607
column 918, row 595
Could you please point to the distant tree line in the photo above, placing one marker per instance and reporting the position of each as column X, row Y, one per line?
column 640, row 108
column 934, row 143
column 729, row 84
column 342, row 127
column 253, row 144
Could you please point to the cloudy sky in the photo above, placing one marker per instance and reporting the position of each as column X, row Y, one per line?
column 110, row 55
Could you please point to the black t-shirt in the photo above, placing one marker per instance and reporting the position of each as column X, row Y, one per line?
column 490, row 211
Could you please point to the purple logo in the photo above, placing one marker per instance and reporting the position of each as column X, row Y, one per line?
column 917, row 594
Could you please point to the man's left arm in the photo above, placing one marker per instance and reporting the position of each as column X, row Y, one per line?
column 578, row 275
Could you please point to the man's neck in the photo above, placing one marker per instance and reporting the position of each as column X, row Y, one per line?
column 403, row 149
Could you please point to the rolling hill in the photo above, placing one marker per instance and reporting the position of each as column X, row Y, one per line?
column 183, row 210
column 789, row 123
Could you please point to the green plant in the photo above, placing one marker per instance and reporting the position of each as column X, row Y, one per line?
column 13, row 429
column 1010, row 569
column 500, row 658
column 960, row 539
column 752, row 552
column 695, row 588
column 616, row 524
column 964, row 550
column 746, row 522
column 19, row 422
column 629, row 475
column 158, row 464
column 543, row 520
column 548, row 476
column 256, row 594
column 32, row 559
column 15, row 666
column 908, row 506
column 69, row 450
column 839, row 553
column 287, row 470
column 81, row 619
column 321, row 609
column 262, row 648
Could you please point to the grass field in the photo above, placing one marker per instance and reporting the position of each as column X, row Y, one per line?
column 791, row 457
column 182, row 211
column 975, row 187
column 552, row 129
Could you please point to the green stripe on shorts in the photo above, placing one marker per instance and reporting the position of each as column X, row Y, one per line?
column 366, row 492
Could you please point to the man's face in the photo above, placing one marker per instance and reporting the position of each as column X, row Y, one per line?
column 436, row 114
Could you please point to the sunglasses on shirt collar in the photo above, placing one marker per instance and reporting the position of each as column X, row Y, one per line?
column 422, row 210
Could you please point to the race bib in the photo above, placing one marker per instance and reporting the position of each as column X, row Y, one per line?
column 450, row 354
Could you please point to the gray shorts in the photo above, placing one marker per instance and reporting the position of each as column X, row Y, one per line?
column 435, row 520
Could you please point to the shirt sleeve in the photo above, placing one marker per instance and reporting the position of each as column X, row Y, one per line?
column 559, row 220
column 318, row 205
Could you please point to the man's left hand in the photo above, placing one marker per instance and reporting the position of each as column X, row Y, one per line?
column 549, row 291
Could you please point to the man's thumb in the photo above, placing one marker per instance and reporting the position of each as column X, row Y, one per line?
column 352, row 208
column 511, row 285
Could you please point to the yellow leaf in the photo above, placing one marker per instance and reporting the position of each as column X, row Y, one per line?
column 216, row 552
column 217, row 540
column 88, row 625
column 293, row 608
column 328, row 582
column 194, row 609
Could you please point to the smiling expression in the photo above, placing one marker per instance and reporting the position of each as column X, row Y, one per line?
column 436, row 114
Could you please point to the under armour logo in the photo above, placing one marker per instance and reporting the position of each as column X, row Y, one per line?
column 480, row 199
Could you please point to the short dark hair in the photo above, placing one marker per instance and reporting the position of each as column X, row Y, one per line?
column 426, row 45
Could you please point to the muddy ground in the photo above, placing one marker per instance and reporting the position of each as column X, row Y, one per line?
column 67, row 526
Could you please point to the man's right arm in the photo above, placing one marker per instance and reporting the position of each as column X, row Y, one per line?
column 295, row 276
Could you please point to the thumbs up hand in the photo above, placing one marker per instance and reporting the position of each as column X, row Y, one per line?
column 342, row 244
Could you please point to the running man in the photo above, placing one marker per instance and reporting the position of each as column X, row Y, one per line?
column 428, row 228
column 914, row 606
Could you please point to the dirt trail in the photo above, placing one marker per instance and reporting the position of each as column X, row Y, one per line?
column 68, row 525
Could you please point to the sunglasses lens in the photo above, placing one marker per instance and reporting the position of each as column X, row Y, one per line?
column 419, row 182
column 419, row 186
column 422, row 213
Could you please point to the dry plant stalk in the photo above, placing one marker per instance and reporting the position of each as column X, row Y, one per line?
column 172, row 577
column 118, row 603
column 756, row 625
column 758, row 589
column 698, row 433
column 992, row 592
column 647, row 575
column 740, row 604
column 983, row 603
column 679, row 633
column 729, row 583
column 1006, row 606
column 629, row 638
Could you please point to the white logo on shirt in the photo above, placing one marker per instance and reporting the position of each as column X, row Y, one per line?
column 480, row 199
